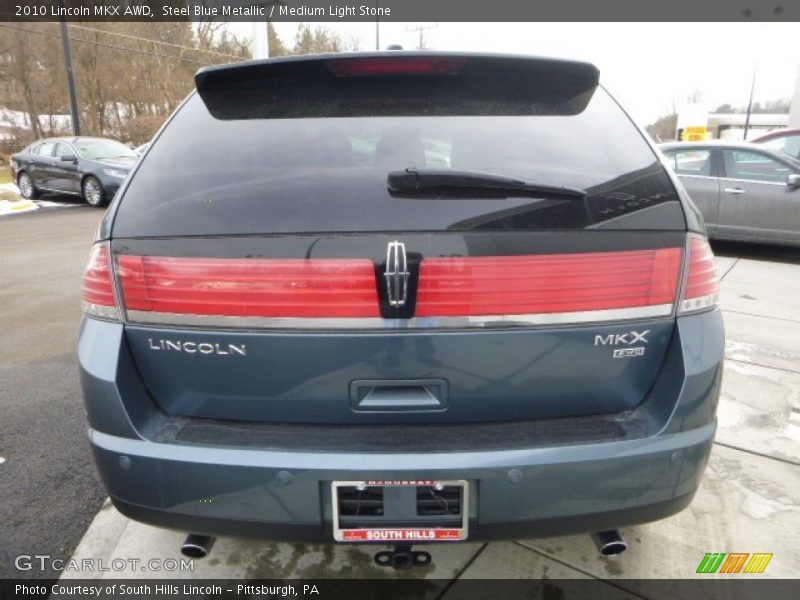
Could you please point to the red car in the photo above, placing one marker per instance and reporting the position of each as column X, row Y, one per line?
column 781, row 140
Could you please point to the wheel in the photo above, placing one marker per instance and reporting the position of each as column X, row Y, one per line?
column 26, row 186
column 93, row 191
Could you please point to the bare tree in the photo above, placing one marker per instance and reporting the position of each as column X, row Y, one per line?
column 320, row 40
column 130, row 76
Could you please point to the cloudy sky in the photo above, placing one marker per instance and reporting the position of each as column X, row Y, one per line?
column 646, row 66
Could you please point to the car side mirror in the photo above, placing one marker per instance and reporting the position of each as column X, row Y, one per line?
column 793, row 180
column 69, row 158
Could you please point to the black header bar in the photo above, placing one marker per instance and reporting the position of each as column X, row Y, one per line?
column 399, row 10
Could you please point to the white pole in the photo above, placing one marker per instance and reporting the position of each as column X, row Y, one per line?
column 260, row 44
column 794, row 109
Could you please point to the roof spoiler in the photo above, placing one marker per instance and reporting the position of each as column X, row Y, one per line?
column 584, row 74
column 429, row 83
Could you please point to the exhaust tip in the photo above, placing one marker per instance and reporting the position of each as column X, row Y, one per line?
column 609, row 543
column 613, row 548
column 197, row 546
column 192, row 551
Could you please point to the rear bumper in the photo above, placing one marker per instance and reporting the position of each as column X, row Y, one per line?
column 520, row 493
column 278, row 491
column 478, row 531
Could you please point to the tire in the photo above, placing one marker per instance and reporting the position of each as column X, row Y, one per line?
column 26, row 186
column 93, row 192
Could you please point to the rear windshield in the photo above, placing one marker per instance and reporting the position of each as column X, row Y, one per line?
column 209, row 175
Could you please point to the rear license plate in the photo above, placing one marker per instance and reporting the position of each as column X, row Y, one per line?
column 451, row 528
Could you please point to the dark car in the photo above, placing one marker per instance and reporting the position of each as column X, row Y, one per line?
column 786, row 141
column 401, row 298
column 745, row 192
column 92, row 168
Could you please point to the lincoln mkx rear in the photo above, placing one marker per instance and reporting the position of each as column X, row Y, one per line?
column 401, row 298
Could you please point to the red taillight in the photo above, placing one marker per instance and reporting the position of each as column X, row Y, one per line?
column 395, row 65
column 555, row 283
column 249, row 287
column 98, row 286
column 701, row 284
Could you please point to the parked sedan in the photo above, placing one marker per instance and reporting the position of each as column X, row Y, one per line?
column 782, row 140
column 744, row 191
column 93, row 168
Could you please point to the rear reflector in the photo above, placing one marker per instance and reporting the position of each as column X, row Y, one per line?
column 364, row 67
column 555, row 283
column 701, row 285
column 97, row 292
column 233, row 287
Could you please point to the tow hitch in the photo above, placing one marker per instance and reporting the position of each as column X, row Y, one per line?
column 402, row 558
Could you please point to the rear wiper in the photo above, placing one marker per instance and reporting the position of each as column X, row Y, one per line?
column 424, row 182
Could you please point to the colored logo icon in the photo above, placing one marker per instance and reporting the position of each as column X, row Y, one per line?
column 734, row 562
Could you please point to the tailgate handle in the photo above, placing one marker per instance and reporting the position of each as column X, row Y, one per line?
column 398, row 395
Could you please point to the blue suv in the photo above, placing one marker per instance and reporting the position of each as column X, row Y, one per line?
column 401, row 298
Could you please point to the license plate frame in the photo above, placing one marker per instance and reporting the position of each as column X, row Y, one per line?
column 401, row 535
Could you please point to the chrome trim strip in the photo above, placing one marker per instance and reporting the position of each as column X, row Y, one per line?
column 759, row 181
column 696, row 176
column 377, row 323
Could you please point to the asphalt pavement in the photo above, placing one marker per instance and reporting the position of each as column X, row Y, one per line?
column 48, row 486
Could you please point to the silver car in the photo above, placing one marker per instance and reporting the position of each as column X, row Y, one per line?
column 745, row 192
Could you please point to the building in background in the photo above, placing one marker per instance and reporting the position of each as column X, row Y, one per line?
column 695, row 123
column 731, row 126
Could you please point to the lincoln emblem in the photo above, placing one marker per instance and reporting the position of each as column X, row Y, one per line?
column 396, row 274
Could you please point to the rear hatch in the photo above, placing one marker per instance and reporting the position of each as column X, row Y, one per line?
column 399, row 238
